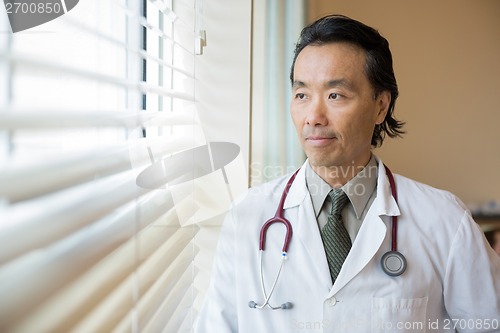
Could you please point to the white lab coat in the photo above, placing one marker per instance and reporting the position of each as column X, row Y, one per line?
column 452, row 280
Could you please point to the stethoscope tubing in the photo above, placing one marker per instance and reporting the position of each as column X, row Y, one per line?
column 267, row 297
column 277, row 218
column 280, row 218
column 394, row 243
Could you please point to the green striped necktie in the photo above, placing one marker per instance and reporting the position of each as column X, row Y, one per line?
column 336, row 239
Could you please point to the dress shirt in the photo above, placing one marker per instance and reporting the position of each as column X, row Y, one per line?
column 361, row 191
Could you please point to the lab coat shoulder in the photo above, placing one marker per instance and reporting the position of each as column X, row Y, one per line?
column 431, row 210
column 428, row 197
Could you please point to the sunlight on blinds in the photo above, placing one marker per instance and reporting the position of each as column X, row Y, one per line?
column 108, row 186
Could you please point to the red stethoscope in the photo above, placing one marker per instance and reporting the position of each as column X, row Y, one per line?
column 393, row 262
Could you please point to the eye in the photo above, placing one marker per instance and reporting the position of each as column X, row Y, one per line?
column 333, row 96
column 300, row 96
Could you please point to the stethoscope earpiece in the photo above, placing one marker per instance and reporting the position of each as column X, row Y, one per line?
column 284, row 306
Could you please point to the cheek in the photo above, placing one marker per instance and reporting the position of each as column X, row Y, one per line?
column 357, row 128
column 297, row 119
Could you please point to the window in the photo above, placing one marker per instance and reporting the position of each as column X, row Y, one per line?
column 93, row 106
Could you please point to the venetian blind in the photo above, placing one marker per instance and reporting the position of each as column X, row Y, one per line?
column 101, row 153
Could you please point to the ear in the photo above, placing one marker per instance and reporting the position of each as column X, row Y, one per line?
column 382, row 103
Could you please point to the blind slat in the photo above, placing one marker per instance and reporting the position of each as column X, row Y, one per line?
column 146, row 23
column 111, row 311
column 26, row 61
column 28, row 181
column 157, row 61
column 49, row 221
column 49, row 119
column 58, row 265
column 165, row 8
column 140, row 21
column 166, row 292
column 78, row 299
column 180, row 320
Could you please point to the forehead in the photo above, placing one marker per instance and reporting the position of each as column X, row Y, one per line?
column 330, row 61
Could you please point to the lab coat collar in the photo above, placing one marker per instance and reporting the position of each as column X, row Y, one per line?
column 385, row 203
column 298, row 190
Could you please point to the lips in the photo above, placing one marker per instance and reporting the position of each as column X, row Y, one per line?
column 320, row 137
column 320, row 140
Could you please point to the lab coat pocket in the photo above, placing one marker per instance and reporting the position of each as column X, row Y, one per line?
column 391, row 315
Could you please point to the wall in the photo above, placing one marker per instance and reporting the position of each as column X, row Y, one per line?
column 224, row 73
column 223, row 91
column 446, row 59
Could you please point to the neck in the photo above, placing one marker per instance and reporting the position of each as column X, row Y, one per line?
column 338, row 175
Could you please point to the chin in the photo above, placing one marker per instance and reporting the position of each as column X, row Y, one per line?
column 322, row 161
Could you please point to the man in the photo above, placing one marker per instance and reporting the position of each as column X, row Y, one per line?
column 344, row 92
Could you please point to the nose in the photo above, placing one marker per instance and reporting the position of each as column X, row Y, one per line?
column 316, row 115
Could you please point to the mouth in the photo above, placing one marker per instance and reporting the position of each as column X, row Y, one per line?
column 318, row 141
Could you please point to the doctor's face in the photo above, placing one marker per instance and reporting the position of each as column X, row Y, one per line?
column 334, row 107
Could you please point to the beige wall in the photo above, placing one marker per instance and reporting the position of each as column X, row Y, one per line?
column 447, row 63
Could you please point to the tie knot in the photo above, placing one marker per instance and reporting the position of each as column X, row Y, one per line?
column 339, row 200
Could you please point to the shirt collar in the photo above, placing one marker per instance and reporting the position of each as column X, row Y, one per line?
column 358, row 189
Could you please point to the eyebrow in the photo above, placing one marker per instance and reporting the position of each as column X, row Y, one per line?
column 298, row 84
column 329, row 84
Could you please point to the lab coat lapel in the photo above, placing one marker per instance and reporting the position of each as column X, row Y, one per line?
column 371, row 234
column 367, row 243
column 305, row 227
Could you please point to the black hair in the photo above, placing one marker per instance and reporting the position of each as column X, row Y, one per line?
column 378, row 68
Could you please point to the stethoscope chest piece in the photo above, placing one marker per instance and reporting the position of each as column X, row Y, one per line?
column 393, row 263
